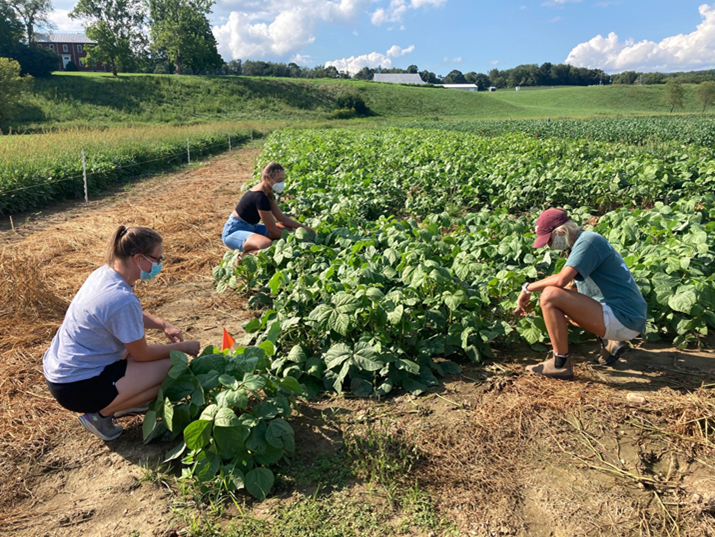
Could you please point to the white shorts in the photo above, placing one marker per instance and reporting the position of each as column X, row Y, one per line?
column 615, row 331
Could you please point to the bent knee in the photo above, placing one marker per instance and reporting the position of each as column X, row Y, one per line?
column 550, row 295
column 261, row 242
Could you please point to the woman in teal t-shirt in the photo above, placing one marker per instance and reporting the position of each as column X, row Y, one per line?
column 608, row 302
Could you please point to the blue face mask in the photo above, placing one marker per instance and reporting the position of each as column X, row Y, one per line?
column 155, row 269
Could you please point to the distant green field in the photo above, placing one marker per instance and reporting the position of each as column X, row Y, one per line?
column 98, row 99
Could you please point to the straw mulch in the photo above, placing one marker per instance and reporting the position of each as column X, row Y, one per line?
column 41, row 272
column 575, row 457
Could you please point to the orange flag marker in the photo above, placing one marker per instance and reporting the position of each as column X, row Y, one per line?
column 228, row 341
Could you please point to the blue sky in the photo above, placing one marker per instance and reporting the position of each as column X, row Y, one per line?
column 441, row 35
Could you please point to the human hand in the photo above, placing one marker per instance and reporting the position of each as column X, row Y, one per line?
column 192, row 347
column 173, row 333
column 524, row 305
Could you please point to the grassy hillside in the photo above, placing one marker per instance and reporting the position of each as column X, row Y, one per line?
column 80, row 99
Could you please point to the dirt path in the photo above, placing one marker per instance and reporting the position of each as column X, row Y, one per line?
column 500, row 453
column 57, row 480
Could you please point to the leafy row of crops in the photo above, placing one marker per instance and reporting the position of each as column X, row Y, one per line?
column 367, row 174
column 39, row 169
column 684, row 129
column 381, row 299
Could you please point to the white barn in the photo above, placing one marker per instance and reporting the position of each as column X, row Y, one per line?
column 406, row 78
column 464, row 87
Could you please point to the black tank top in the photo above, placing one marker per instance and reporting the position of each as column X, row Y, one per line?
column 252, row 202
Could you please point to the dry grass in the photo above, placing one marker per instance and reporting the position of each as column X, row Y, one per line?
column 570, row 457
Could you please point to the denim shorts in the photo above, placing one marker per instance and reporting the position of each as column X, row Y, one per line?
column 615, row 331
column 236, row 231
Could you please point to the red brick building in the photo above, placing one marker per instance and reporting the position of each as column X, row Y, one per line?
column 70, row 48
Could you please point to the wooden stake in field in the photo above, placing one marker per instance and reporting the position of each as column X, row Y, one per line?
column 84, row 176
column 12, row 225
column 229, row 142
column 188, row 152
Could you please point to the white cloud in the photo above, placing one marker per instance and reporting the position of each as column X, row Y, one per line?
column 353, row 64
column 494, row 62
column 555, row 19
column 458, row 59
column 64, row 23
column 395, row 52
column 681, row 52
column 559, row 3
column 301, row 59
column 279, row 27
column 397, row 9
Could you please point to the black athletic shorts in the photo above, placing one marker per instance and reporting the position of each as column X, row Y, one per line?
column 90, row 395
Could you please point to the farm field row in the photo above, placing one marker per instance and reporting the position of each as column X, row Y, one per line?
column 411, row 267
column 40, row 169
column 642, row 130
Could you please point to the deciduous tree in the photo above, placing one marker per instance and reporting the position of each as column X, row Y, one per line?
column 34, row 14
column 116, row 28
column 705, row 94
column 674, row 94
column 182, row 30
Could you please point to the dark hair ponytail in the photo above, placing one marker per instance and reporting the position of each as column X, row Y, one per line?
column 270, row 169
column 128, row 241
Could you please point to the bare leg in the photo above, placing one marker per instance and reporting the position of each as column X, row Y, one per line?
column 139, row 385
column 583, row 311
column 256, row 242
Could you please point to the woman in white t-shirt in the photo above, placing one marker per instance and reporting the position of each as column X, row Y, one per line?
column 99, row 362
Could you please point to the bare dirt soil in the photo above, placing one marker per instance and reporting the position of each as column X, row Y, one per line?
column 626, row 450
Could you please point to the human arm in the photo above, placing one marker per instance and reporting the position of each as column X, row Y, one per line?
column 289, row 223
column 141, row 351
column 274, row 232
column 172, row 333
column 562, row 279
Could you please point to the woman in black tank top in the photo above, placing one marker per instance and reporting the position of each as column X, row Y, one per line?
column 243, row 231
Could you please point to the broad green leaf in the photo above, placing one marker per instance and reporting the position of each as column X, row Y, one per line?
column 253, row 382
column 278, row 431
column 225, row 417
column 289, row 383
column 209, row 413
column 207, row 467
column 337, row 354
column 149, row 423
column 197, row 434
column 259, row 482
column 175, row 452
column 297, row 354
column 684, row 299
column 414, row 387
column 360, row 387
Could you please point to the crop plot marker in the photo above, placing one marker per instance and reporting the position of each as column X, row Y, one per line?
column 251, row 134
column 229, row 142
column 84, row 177
column 188, row 152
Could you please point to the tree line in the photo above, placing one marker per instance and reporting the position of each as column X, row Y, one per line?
column 174, row 36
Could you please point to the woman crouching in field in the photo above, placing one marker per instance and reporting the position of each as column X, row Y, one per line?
column 242, row 231
column 608, row 302
column 99, row 362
